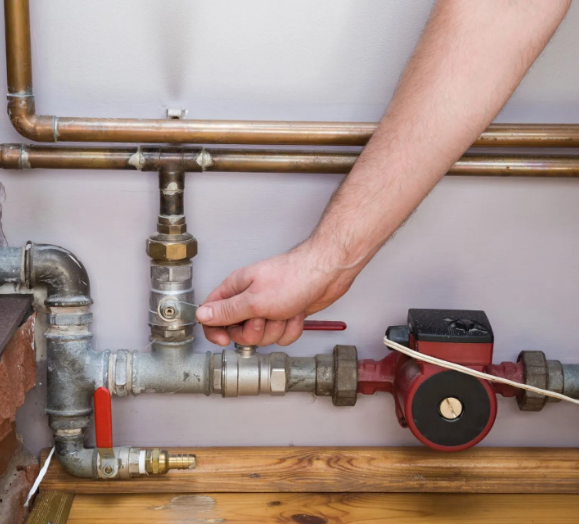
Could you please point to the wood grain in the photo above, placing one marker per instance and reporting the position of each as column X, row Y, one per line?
column 360, row 470
column 350, row 508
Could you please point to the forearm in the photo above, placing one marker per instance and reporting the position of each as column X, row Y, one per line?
column 470, row 59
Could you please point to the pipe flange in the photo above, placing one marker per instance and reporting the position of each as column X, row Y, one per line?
column 536, row 373
column 345, row 376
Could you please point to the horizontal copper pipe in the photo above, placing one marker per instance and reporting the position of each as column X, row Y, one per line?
column 71, row 129
column 17, row 156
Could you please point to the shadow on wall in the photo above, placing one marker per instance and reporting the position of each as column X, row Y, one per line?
column 172, row 25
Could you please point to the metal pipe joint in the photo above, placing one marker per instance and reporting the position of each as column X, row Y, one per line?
column 245, row 371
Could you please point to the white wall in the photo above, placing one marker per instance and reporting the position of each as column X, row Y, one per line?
column 510, row 247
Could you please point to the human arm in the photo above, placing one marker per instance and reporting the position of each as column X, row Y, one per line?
column 469, row 60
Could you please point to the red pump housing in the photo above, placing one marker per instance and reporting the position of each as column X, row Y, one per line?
column 445, row 410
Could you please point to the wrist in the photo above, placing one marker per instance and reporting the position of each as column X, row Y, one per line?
column 335, row 265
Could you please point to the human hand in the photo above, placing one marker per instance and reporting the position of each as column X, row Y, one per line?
column 266, row 303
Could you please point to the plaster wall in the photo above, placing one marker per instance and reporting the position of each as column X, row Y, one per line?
column 510, row 247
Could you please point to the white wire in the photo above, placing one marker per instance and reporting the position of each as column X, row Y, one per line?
column 468, row 371
column 40, row 477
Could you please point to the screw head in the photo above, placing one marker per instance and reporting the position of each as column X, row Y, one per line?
column 108, row 470
column 451, row 408
column 168, row 310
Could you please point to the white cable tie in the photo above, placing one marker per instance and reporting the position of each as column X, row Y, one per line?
column 472, row 372
column 40, row 477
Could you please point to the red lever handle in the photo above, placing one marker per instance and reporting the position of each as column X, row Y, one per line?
column 324, row 325
column 103, row 418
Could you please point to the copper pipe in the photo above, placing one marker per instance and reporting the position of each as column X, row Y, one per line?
column 71, row 129
column 264, row 161
column 286, row 133
column 17, row 156
column 171, row 189
column 18, row 59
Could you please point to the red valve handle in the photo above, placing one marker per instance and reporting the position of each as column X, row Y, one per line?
column 324, row 325
column 103, row 418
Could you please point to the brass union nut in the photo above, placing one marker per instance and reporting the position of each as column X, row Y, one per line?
column 171, row 250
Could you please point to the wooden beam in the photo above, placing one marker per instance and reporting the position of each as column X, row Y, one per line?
column 357, row 470
column 345, row 508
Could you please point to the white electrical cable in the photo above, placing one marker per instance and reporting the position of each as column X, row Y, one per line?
column 40, row 477
column 468, row 371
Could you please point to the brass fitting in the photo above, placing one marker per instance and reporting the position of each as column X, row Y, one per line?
column 170, row 249
column 172, row 229
column 171, row 225
column 159, row 461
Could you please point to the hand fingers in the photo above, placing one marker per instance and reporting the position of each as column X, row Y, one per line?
column 274, row 329
column 227, row 311
column 234, row 284
column 293, row 330
column 217, row 335
column 249, row 333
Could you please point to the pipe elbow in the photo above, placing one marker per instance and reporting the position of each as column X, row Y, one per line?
column 30, row 125
column 74, row 457
column 63, row 274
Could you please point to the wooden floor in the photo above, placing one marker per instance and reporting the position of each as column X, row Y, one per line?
column 262, row 508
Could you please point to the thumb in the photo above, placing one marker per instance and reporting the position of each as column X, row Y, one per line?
column 226, row 312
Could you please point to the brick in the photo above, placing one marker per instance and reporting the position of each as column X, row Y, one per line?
column 8, row 447
column 17, row 374
column 15, row 485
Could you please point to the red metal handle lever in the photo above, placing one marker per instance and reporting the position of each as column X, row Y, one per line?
column 103, row 418
column 324, row 325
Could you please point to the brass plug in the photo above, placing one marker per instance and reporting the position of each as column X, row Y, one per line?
column 159, row 461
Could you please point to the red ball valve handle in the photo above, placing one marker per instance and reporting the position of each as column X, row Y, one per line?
column 324, row 325
column 103, row 419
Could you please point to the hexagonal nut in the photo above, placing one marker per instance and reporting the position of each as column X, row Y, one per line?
column 345, row 376
column 536, row 373
column 152, row 461
column 172, row 273
column 278, row 373
column 171, row 250
column 172, row 229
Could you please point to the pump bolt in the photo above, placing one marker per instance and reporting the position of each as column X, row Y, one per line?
column 451, row 408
